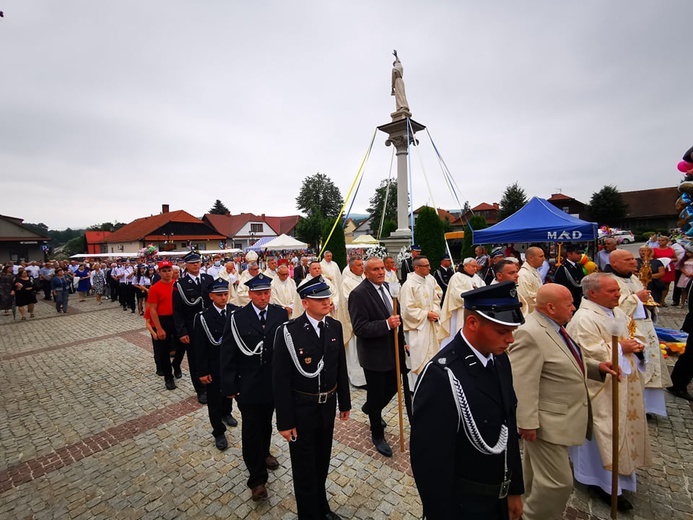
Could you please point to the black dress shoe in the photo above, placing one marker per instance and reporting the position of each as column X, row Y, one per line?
column 332, row 516
column 680, row 392
column 177, row 373
column 621, row 503
column 220, row 442
column 202, row 398
column 271, row 462
column 382, row 446
column 170, row 384
column 229, row 420
column 259, row 493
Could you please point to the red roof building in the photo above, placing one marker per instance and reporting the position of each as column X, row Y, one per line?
column 245, row 229
column 97, row 242
column 169, row 231
column 569, row 205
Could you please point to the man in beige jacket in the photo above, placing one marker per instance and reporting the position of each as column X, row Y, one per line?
column 530, row 279
column 553, row 410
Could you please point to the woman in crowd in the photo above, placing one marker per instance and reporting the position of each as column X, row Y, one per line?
column 82, row 273
column 6, row 289
column 60, row 287
column 24, row 293
column 141, row 282
column 686, row 267
column 98, row 281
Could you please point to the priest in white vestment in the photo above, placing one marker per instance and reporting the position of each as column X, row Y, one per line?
column 420, row 310
column 330, row 270
column 633, row 296
column 283, row 288
column 530, row 279
column 590, row 327
column 452, row 309
column 241, row 298
column 315, row 270
column 352, row 276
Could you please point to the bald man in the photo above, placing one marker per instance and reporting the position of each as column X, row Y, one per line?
column 553, row 411
column 530, row 279
column 633, row 297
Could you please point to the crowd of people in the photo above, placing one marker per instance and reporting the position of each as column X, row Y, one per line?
column 497, row 349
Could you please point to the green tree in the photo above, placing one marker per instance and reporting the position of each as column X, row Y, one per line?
column 75, row 246
column 319, row 195
column 513, row 199
column 218, row 208
column 336, row 244
column 389, row 227
column 607, row 206
column 476, row 222
column 377, row 203
column 429, row 234
column 106, row 226
column 309, row 229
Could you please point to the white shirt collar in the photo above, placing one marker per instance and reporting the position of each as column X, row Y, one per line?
column 483, row 359
column 258, row 311
column 314, row 323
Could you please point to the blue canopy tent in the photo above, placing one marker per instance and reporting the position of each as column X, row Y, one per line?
column 537, row 221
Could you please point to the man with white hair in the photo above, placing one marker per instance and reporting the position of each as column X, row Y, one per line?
column 283, row 288
column 530, row 279
column 452, row 308
column 353, row 276
column 271, row 269
column 330, row 270
column 241, row 298
column 315, row 270
column 420, row 307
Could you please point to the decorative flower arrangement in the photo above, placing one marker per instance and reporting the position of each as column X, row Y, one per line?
column 404, row 254
column 150, row 250
column 375, row 251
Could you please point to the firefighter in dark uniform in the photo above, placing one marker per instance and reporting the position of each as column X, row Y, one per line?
column 190, row 296
column 309, row 377
column 570, row 273
column 246, row 361
column 464, row 443
column 444, row 273
column 207, row 334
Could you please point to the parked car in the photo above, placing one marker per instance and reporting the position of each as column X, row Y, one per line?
column 624, row 236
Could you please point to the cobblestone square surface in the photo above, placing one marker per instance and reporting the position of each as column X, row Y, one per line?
column 87, row 430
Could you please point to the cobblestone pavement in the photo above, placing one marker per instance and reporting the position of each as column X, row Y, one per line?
column 88, row 431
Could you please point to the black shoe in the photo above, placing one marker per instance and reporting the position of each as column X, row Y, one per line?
column 271, row 462
column 159, row 372
column 621, row 503
column 202, row 398
column 220, row 442
column 680, row 392
column 382, row 446
column 133, row 311
column 170, row 384
column 177, row 373
column 332, row 516
column 229, row 420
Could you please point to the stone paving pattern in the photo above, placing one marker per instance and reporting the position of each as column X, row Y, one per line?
column 88, row 431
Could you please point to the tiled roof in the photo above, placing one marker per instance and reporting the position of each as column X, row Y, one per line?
column 141, row 228
column 656, row 202
column 485, row 206
column 96, row 237
column 23, row 230
column 230, row 225
column 442, row 213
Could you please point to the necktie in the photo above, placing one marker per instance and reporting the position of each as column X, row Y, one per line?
column 197, row 281
column 573, row 348
column 262, row 318
column 223, row 313
column 321, row 329
column 386, row 300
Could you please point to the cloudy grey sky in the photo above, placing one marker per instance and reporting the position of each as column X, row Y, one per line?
column 109, row 109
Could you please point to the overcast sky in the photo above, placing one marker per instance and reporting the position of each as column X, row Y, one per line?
column 110, row 108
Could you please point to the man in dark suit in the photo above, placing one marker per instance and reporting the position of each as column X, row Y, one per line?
column 190, row 296
column 301, row 270
column 309, row 372
column 208, row 328
column 444, row 273
column 570, row 273
column 246, row 360
column 465, row 452
column 407, row 265
column 370, row 309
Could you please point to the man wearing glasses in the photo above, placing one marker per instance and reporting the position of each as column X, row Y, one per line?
column 420, row 299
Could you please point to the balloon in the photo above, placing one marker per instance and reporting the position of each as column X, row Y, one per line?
column 684, row 167
column 686, row 198
column 584, row 259
column 590, row 267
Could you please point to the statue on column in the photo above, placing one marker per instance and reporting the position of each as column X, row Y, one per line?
column 401, row 104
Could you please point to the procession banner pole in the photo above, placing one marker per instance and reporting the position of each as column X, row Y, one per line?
column 615, row 328
column 399, row 380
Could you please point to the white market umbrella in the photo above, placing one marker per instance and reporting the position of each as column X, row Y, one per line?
column 284, row 241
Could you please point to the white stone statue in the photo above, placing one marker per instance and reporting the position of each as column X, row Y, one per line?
column 401, row 104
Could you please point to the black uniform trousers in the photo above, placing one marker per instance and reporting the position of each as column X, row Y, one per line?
column 217, row 406
column 381, row 387
column 46, row 288
column 310, row 463
column 181, row 349
column 115, row 289
column 256, row 437
column 126, row 296
column 163, row 347
column 683, row 369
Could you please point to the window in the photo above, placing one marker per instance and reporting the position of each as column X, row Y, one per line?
column 256, row 228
